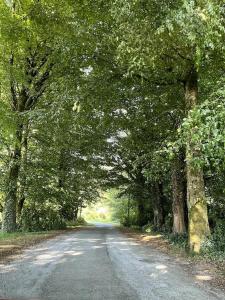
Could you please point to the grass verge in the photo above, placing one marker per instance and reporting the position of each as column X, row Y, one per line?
column 14, row 243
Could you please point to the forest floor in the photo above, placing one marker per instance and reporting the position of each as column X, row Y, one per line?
column 202, row 268
column 12, row 244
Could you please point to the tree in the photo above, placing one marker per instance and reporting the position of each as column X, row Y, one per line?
column 175, row 42
column 30, row 64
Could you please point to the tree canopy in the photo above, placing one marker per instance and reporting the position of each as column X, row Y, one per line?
column 126, row 95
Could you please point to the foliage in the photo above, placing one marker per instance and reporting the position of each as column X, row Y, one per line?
column 214, row 247
column 218, row 237
column 208, row 120
column 121, row 98
column 178, row 240
column 41, row 218
column 80, row 221
column 148, row 228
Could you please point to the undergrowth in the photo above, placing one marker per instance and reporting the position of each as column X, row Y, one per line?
column 213, row 248
column 78, row 222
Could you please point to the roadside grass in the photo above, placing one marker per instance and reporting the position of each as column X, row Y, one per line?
column 23, row 237
column 78, row 223
column 14, row 243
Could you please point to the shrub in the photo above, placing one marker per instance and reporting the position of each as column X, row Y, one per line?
column 77, row 222
column 135, row 227
column 214, row 246
column 218, row 239
column 180, row 240
column 41, row 218
column 148, row 228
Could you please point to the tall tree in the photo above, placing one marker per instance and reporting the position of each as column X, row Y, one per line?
column 30, row 60
column 175, row 42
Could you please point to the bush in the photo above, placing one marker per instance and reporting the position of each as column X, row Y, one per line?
column 180, row 240
column 135, row 227
column 125, row 221
column 148, row 228
column 218, row 236
column 214, row 246
column 41, row 218
column 79, row 221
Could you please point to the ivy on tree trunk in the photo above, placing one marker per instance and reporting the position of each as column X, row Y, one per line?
column 197, row 207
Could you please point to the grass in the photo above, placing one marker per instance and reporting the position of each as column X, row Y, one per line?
column 14, row 243
column 19, row 235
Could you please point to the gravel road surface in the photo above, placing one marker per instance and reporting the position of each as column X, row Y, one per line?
column 98, row 263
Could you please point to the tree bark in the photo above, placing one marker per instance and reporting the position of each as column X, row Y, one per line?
column 198, row 228
column 141, row 213
column 10, row 205
column 23, row 176
column 178, row 205
column 157, row 207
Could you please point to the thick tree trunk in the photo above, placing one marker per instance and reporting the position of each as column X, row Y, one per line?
column 140, row 197
column 141, row 213
column 23, row 173
column 62, row 168
column 9, row 212
column 20, row 205
column 196, row 200
column 178, row 196
column 157, row 206
column 10, row 205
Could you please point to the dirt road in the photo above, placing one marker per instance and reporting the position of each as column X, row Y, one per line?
column 98, row 263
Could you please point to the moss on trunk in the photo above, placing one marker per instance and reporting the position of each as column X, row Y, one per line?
column 197, row 208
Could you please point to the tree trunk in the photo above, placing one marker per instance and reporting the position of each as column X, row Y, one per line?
column 128, row 212
column 10, row 205
column 75, row 214
column 23, row 172
column 141, row 213
column 20, row 206
column 197, row 207
column 157, row 207
column 178, row 196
